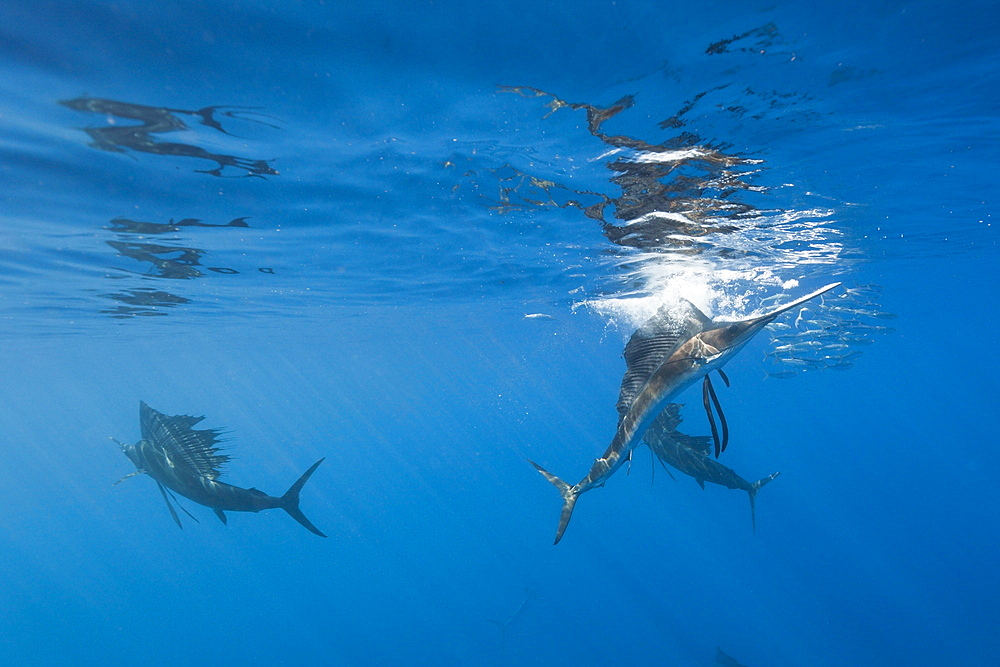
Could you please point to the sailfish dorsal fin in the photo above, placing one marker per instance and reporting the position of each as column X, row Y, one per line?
column 196, row 449
column 653, row 343
column 664, row 430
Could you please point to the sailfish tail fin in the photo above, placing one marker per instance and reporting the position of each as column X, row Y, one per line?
column 752, row 492
column 290, row 501
column 569, row 499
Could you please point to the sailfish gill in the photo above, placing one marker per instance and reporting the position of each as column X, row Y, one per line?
column 187, row 461
column 664, row 357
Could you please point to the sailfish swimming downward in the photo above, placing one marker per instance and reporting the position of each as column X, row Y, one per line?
column 664, row 357
column 187, row 461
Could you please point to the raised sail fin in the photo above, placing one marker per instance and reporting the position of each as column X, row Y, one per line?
column 196, row 449
column 663, row 433
column 653, row 343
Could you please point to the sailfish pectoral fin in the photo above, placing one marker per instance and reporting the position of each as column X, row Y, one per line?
column 706, row 394
column 569, row 499
column 170, row 507
column 710, row 399
column 722, row 416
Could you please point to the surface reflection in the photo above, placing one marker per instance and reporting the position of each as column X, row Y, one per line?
column 161, row 120
column 169, row 258
column 142, row 302
column 125, row 225
column 166, row 261
column 673, row 194
column 760, row 40
column 685, row 199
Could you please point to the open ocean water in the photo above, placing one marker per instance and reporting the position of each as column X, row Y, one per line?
column 413, row 238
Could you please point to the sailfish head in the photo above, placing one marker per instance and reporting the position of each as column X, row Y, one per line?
column 716, row 344
column 133, row 452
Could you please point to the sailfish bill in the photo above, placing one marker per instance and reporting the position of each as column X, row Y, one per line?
column 665, row 356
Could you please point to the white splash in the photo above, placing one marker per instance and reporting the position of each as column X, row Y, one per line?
column 766, row 253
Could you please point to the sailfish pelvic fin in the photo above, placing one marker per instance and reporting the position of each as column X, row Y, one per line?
column 569, row 499
column 170, row 507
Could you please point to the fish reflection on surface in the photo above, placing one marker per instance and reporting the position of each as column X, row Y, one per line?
column 162, row 120
column 142, row 302
column 165, row 260
column 671, row 193
column 171, row 262
column 126, row 226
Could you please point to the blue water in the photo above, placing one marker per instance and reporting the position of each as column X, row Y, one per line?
column 325, row 236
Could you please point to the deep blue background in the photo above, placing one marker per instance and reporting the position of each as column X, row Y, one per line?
column 391, row 339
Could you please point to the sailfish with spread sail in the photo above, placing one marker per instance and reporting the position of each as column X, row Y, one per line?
column 184, row 460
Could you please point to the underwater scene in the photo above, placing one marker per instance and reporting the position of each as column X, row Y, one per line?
column 517, row 333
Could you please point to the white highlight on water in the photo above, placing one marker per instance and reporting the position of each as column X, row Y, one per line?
column 769, row 252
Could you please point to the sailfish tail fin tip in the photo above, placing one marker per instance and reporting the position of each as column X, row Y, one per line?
column 569, row 499
column 290, row 501
column 752, row 492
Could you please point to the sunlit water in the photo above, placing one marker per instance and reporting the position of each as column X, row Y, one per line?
column 414, row 239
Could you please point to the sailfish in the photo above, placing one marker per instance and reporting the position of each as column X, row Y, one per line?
column 690, row 455
column 187, row 461
column 664, row 357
